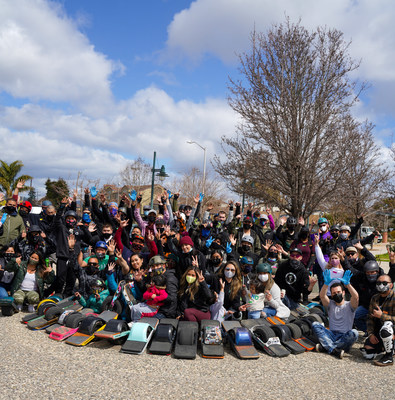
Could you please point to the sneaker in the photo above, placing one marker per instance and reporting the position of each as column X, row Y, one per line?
column 386, row 359
column 338, row 353
column 30, row 308
column 319, row 348
column 368, row 354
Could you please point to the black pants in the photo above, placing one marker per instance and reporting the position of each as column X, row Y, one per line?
column 65, row 279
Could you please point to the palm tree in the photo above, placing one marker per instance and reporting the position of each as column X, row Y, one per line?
column 8, row 176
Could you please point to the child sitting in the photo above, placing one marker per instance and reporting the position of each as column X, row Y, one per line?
column 154, row 296
column 96, row 299
column 256, row 301
column 217, row 309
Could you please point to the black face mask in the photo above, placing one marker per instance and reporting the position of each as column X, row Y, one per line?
column 23, row 213
column 352, row 261
column 35, row 239
column 335, row 235
column 245, row 248
column 10, row 209
column 151, row 218
column 71, row 224
column 50, row 218
column 272, row 254
column 337, row 298
column 90, row 270
column 294, row 264
column 107, row 235
column 304, row 235
column 8, row 256
column 247, row 269
column 372, row 277
column 123, row 217
column 246, row 226
column 216, row 261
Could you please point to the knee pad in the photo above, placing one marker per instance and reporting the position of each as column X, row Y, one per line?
column 386, row 334
column 386, row 330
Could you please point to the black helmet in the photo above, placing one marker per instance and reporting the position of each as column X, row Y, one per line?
column 34, row 228
column 371, row 266
column 335, row 227
column 291, row 221
column 71, row 213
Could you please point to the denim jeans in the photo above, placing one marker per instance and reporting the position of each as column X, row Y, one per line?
column 331, row 340
column 361, row 315
column 254, row 314
column 3, row 292
column 291, row 304
column 269, row 311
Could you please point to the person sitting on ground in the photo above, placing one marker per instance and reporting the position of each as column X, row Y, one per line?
column 293, row 277
column 194, row 294
column 95, row 300
column 273, row 302
column 30, row 277
column 340, row 336
column 380, row 323
column 154, row 297
column 255, row 300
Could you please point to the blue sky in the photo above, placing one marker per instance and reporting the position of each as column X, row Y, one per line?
column 88, row 85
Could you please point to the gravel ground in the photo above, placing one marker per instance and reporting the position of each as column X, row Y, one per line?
column 39, row 368
column 35, row 367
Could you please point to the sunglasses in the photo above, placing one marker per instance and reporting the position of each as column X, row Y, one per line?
column 385, row 283
column 93, row 264
column 350, row 254
column 294, row 255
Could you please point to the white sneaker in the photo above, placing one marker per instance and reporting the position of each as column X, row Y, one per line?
column 368, row 355
column 19, row 307
column 30, row 308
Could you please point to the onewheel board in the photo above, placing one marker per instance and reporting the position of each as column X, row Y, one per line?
column 186, row 340
column 266, row 340
column 89, row 326
column 211, row 339
column 51, row 316
column 240, row 340
column 139, row 336
column 115, row 331
column 164, row 336
column 285, row 336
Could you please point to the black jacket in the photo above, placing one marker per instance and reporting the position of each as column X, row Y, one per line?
column 200, row 301
column 169, row 308
column 294, row 281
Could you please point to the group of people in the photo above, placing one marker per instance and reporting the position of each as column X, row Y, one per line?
column 185, row 262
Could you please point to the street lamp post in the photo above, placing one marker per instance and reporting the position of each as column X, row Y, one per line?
column 204, row 162
column 162, row 175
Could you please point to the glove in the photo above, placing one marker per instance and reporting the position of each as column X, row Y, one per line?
column 169, row 193
column 133, row 195
column 346, row 278
column 201, row 196
column 228, row 248
column 327, row 277
column 209, row 241
column 3, row 218
column 93, row 191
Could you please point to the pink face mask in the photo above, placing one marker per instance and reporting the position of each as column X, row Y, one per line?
column 335, row 262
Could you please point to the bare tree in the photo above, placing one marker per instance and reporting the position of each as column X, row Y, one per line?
column 137, row 173
column 190, row 184
column 367, row 177
column 294, row 101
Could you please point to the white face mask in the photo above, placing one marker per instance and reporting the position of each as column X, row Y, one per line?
column 229, row 274
column 263, row 277
column 323, row 228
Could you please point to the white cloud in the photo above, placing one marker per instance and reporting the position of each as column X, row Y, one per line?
column 61, row 144
column 44, row 56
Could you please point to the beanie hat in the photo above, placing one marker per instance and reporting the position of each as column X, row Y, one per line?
column 186, row 240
